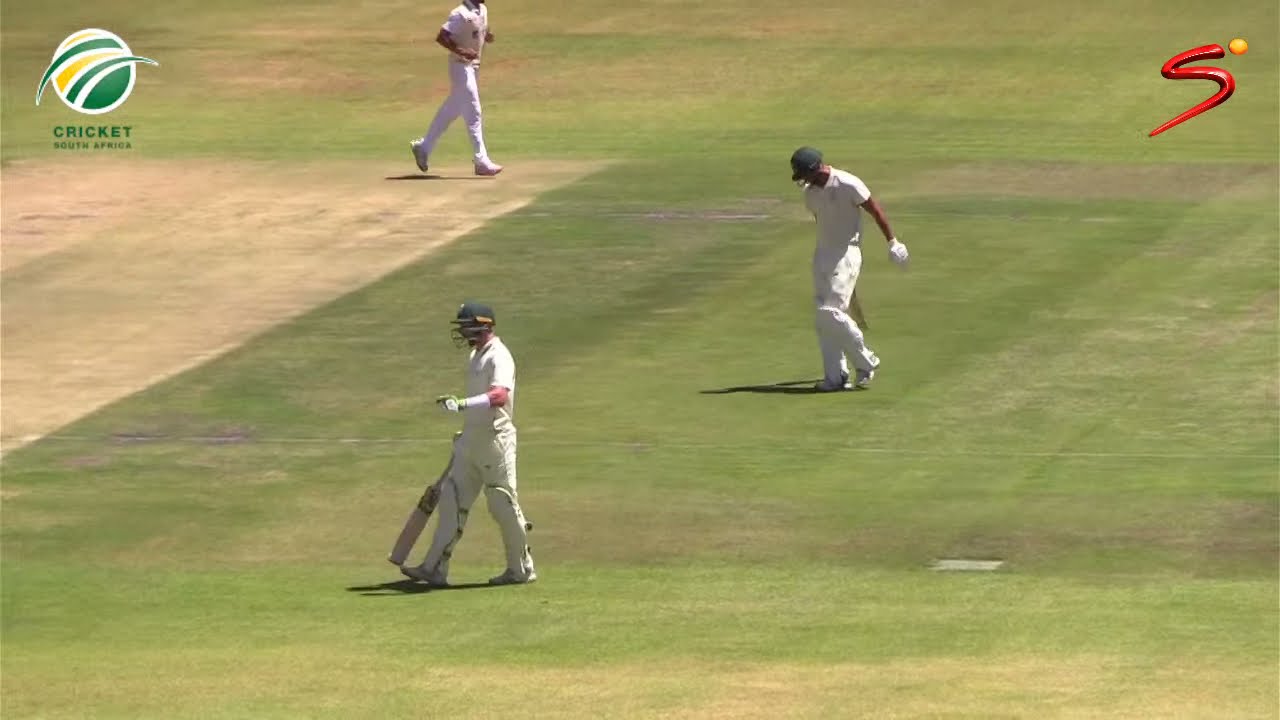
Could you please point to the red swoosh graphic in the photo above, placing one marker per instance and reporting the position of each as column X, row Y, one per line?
column 1173, row 70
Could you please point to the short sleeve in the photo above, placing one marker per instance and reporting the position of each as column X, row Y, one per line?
column 859, row 190
column 456, row 23
column 504, row 370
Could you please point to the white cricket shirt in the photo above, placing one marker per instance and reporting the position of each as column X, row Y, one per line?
column 835, row 207
column 490, row 366
column 467, row 25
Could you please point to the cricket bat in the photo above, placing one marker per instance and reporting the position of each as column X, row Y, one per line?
column 417, row 520
column 855, row 311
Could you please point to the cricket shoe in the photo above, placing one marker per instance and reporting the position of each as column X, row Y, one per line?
column 825, row 385
column 488, row 170
column 416, row 572
column 511, row 577
column 419, row 154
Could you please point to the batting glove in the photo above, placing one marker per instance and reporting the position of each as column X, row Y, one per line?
column 898, row 252
column 449, row 403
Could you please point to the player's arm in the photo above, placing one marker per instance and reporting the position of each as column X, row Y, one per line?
column 862, row 198
column 897, row 251
column 496, row 397
column 503, row 378
column 882, row 220
column 444, row 38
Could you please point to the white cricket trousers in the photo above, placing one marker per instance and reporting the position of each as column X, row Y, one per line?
column 485, row 464
column 839, row 337
column 464, row 101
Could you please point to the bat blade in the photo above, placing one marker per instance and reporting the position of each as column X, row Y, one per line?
column 413, row 527
column 417, row 520
column 855, row 312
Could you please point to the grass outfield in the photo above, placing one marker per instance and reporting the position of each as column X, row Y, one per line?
column 1079, row 379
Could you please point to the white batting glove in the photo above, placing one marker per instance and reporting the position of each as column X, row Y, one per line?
column 898, row 252
column 449, row 403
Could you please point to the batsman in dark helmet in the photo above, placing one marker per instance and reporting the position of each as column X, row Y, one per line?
column 473, row 324
column 836, row 199
column 486, row 455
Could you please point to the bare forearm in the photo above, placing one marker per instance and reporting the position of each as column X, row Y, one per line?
column 445, row 40
column 881, row 219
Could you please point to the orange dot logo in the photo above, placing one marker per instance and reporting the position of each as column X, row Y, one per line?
column 1238, row 46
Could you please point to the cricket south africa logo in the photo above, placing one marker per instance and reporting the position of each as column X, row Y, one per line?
column 92, row 71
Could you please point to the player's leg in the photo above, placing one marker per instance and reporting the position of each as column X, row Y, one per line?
column 473, row 116
column 835, row 322
column 853, row 342
column 835, row 371
column 456, row 498
column 449, row 111
column 504, row 506
column 425, row 508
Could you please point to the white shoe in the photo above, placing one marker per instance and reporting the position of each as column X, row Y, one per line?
column 488, row 170
column 417, row 572
column 419, row 154
column 511, row 577
column 826, row 386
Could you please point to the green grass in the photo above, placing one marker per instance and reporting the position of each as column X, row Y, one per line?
column 932, row 80
column 1079, row 380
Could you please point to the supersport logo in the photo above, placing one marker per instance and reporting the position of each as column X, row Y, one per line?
column 1173, row 70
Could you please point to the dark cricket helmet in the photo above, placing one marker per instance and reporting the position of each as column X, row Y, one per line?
column 473, row 320
column 804, row 162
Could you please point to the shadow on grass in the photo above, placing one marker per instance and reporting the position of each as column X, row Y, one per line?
column 432, row 177
column 410, row 587
column 793, row 387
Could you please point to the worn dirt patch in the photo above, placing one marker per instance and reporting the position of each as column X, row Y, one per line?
column 1086, row 181
column 248, row 75
column 1259, row 317
column 1069, row 687
column 118, row 274
column 1245, row 528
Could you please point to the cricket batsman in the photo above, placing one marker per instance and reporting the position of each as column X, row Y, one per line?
column 836, row 199
column 486, row 455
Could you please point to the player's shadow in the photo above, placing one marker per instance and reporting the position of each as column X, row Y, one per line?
column 410, row 587
column 433, row 177
column 792, row 387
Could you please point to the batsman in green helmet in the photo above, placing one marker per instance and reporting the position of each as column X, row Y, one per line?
column 486, row 455
column 836, row 200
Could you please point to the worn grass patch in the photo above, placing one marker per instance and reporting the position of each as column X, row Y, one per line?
column 305, row 681
column 119, row 274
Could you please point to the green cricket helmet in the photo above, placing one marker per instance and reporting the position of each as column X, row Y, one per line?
column 804, row 162
column 473, row 321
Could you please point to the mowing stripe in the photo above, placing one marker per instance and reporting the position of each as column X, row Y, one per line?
column 249, row 440
column 70, row 364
